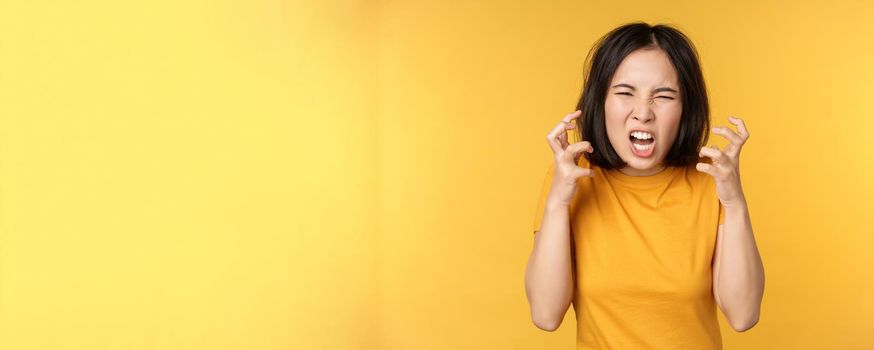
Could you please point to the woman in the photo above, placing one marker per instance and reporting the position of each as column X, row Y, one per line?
column 641, row 228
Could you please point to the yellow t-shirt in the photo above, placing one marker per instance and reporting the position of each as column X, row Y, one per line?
column 642, row 248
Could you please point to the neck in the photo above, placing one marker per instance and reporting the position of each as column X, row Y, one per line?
column 627, row 170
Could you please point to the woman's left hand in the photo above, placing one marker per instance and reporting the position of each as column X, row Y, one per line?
column 725, row 165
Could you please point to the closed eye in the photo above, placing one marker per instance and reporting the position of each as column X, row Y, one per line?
column 629, row 94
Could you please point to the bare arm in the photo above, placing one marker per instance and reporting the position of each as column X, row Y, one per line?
column 738, row 273
column 549, row 279
column 549, row 275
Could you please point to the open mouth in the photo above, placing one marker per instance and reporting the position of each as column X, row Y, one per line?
column 642, row 143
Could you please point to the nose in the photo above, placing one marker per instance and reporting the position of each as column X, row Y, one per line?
column 643, row 111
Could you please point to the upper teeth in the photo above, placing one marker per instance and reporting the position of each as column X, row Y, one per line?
column 641, row 135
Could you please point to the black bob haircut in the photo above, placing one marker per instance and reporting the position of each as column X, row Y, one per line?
column 609, row 51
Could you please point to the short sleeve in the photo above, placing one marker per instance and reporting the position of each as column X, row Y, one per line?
column 713, row 193
column 544, row 193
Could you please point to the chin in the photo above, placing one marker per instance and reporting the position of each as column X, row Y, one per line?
column 641, row 164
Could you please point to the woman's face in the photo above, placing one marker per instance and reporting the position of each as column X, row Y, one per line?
column 643, row 95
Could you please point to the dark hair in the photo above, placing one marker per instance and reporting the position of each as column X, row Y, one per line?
column 609, row 52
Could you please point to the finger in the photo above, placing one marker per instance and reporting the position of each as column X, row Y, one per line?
column 576, row 148
column 557, row 140
column 554, row 140
column 736, row 142
column 575, row 152
column 729, row 134
column 715, row 154
column 570, row 117
column 706, row 168
column 557, row 137
column 568, row 122
column 580, row 172
column 741, row 127
column 590, row 149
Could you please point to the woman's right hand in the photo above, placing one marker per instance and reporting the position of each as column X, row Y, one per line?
column 566, row 172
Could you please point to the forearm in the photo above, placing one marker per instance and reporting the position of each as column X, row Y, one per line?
column 548, row 276
column 741, row 275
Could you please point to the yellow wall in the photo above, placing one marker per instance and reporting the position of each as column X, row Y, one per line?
column 187, row 175
column 363, row 174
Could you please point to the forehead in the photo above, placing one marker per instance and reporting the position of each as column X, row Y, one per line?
column 646, row 68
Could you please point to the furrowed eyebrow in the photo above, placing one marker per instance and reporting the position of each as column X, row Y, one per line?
column 663, row 88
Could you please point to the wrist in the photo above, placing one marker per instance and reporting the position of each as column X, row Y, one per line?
column 739, row 206
column 556, row 204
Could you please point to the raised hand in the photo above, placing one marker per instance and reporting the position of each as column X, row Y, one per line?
column 566, row 171
column 725, row 169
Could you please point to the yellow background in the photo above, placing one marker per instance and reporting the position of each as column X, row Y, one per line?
column 363, row 174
